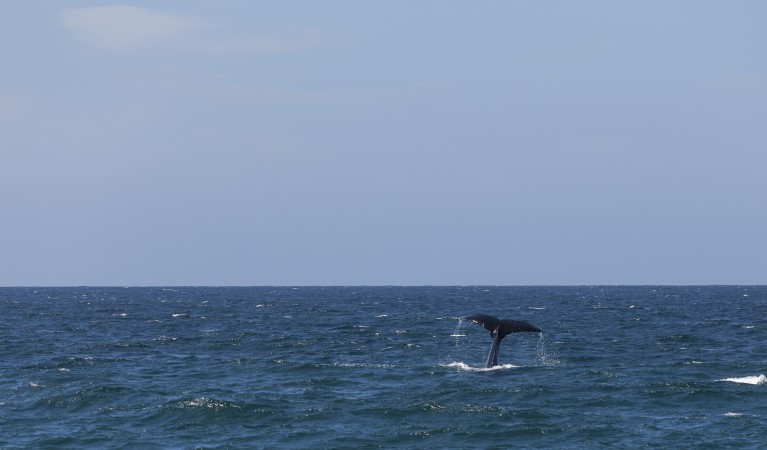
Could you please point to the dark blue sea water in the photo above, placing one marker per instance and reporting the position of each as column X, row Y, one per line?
column 344, row 367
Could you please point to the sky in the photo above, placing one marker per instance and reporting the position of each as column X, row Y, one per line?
column 509, row 142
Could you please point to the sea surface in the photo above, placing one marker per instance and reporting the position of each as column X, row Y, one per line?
column 348, row 367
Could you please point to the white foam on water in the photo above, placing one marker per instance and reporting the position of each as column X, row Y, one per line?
column 758, row 379
column 375, row 365
column 732, row 414
column 457, row 335
column 467, row 368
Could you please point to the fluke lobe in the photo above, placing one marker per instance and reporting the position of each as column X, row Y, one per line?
column 498, row 330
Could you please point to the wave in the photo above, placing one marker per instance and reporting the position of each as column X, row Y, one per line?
column 758, row 379
column 206, row 403
column 467, row 368
column 374, row 365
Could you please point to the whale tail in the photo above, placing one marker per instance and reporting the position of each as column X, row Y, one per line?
column 498, row 330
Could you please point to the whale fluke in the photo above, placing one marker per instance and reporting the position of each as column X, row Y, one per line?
column 498, row 329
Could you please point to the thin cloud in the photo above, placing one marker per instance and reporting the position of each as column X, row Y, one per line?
column 126, row 27
column 129, row 28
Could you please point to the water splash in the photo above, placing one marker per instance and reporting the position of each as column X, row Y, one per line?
column 759, row 379
column 544, row 357
column 458, row 333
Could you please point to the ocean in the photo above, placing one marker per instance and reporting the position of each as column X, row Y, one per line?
column 382, row 367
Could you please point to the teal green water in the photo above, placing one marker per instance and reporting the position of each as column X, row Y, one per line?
column 343, row 367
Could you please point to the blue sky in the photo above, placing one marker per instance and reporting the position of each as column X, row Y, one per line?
column 392, row 142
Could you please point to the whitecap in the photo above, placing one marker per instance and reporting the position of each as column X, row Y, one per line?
column 759, row 379
column 179, row 315
column 376, row 365
column 457, row 335
column 732, row 414
column 382, row 315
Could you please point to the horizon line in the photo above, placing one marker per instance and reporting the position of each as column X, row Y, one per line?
column 126, row 286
